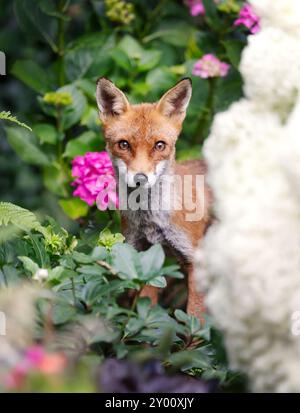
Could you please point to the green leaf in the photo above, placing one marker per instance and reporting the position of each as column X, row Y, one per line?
column 99, row 253
column 174, row 32
column 131, row 47
column 78, row 62
column 73, row 113
column 30, row 73
column 181, row 316
column 29, row 265
column 62, row 313
column 233, row 50
column 9, row 117
column 211, row 15
column 74, row 207
column 148, row 60
column 125, row 260
column 11, row 274
column 152, row 261
column 172, row 271
column 86, row 142
column 60, row 274
column 46, row 133
column 56, row 180
column 69, row 114
column 82, row 258
column 34, row 22
column 133, row 326
column 159, row 282
column 91, row 120
column 91, row 270
column 121, row 59
column 20, row 217
column 143, row 307
column 39, row 250
column 160, row 79
column 22, row 141
column 229, row 90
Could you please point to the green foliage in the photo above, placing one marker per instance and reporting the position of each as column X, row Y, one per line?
column 20, row 217
column 145, row 47
column 108, row 240
column 8, row 116
column 96, row 281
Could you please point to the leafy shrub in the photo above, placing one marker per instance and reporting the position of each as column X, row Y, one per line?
column 98, row 283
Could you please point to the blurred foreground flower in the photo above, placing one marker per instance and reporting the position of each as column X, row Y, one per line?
column 95, row 179
column 249, row 262
column 283, row 14
column 196, row 7
column 119, row 376
column 35, row 360
column 248, row 18
column 210, row 66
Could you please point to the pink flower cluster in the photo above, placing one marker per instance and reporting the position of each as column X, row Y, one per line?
column 95, row 180
column 35, row 359
column 196, row 7
column 210, row 66
column 248, row 18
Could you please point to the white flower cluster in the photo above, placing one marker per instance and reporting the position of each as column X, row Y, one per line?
column 249, row 262
column 271, row 67
column 284, row 14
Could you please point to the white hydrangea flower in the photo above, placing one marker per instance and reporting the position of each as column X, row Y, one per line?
column 270, row 67
column 284, row 14
column 249, row 261
column 290, row 152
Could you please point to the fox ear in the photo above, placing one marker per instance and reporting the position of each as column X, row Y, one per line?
column 176, row 100
column 111, row 101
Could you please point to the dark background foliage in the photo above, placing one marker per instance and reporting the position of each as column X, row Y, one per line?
column 52, row 44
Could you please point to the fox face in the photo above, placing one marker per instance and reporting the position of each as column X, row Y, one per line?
column 141, row 138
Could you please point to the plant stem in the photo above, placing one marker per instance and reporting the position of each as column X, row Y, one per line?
column 4, row 277
column 61, row 44
column 207, row 114
column 134, row 302
column 73, row 291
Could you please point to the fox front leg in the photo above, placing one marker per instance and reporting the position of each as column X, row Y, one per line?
column 195, row 305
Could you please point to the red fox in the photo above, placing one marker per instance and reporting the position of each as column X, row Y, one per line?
column 141, row 142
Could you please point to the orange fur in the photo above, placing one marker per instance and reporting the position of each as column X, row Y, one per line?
column 142, row 126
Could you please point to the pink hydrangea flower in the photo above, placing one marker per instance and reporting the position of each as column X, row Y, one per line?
column 196, row 7
column 210, row 66
column 94, row 174
column 248, row 18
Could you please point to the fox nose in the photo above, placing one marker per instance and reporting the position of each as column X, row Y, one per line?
column 140, row 179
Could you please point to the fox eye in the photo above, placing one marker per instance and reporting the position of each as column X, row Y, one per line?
column 160, row 145
column 124, row 145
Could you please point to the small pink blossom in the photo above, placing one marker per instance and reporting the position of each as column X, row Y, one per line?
column 35, row 359
column 196, row 7
column 210, row 66
column 248, row 18
column 94, row 174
